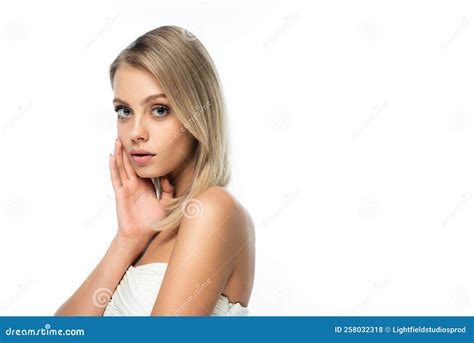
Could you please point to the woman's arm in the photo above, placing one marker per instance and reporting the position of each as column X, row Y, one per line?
column 138, row 210
column 203, row 257
column 95, row 292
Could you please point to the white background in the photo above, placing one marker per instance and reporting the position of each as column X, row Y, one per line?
column 352, row 141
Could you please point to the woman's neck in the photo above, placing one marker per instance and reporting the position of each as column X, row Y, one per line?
column 181, row 178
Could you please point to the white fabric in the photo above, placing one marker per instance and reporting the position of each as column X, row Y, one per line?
column 137, row 291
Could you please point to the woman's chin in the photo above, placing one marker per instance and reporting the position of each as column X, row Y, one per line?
column 147, row 174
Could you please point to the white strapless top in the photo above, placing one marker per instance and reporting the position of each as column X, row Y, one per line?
column 137, row 291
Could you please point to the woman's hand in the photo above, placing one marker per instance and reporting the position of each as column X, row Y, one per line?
column 138, row 208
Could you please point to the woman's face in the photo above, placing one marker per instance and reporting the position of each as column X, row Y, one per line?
column 146, row 121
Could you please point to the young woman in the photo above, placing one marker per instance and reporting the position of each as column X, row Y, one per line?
column 184, row 244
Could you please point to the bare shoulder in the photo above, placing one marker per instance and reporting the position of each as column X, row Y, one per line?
column 221, row 205
column 215, row 247
column 217, row 212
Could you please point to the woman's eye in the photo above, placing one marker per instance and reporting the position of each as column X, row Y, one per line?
column 161, row 111
column 122, row 111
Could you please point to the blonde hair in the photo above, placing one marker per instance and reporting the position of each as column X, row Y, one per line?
column 190, row 80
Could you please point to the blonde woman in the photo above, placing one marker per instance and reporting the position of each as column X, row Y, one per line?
column 184, row 244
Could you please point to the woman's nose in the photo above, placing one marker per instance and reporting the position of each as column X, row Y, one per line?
column 139, row 130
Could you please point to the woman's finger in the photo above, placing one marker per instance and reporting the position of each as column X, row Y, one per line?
column 114, row 176
column 167, row 188
column 119, row 159
column 128, row 165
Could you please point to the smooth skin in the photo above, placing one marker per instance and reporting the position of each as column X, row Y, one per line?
column 212, row 253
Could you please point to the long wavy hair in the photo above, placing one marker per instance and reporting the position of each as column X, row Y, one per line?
column 190, row 80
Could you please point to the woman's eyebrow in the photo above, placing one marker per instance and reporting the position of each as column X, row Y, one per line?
column 147, row 99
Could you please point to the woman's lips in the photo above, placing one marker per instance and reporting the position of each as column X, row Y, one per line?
column 142, row 159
